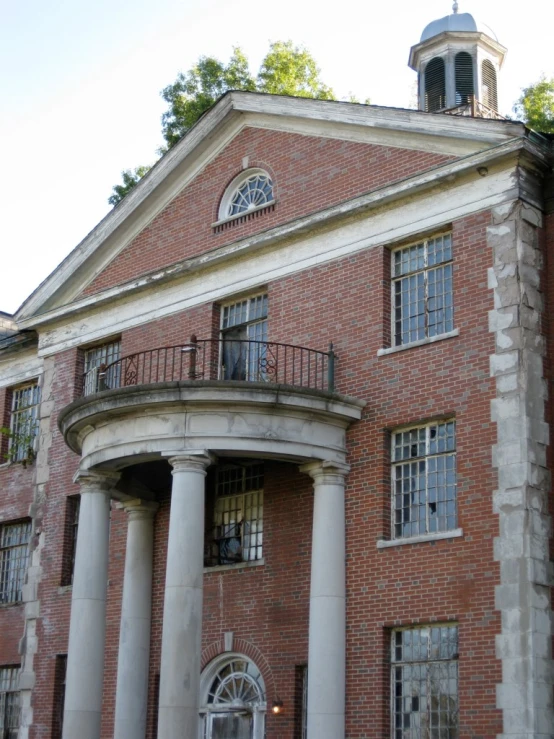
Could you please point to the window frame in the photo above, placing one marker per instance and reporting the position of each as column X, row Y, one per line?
column 24, row 422
column 221, row 531
column 233, row 189
column 97, row 357
column 397, row 665
column 10, row 572
column 417, row 460
column 255, row 327
column 257, row 710
column 397, row 340
column 9, row 732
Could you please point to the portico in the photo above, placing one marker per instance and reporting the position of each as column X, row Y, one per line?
column 192, row 424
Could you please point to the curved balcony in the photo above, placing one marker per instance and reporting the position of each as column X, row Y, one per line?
column 231, row 397
column 222, row 359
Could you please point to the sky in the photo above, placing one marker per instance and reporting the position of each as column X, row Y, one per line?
column 80, row 84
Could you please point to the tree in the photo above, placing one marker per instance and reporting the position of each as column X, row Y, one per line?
column 291, row 70
column 130, row 178
column 536, row 105
column 194, row 92
column 285, row 70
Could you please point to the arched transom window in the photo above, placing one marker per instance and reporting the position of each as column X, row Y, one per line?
column 249, row 191
column 233, row 699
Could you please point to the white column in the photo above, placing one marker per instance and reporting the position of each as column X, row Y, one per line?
column 182, row 621
column 131, row 696
column 327, row 635
column 87, row 630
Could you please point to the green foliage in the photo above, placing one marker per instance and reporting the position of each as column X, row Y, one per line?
column 197, row 90
column 536, row 105
column 22, row 445
column 291, row 70
column 285, row 70
column 130, row 178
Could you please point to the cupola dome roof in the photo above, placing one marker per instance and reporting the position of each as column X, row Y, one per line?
column 455, row 22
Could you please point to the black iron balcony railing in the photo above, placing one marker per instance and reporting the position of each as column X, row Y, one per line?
column 218, row 359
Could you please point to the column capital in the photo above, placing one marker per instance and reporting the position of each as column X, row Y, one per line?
column 325, row 471
column 96, row 481
column 191, row 461
column 137, row 508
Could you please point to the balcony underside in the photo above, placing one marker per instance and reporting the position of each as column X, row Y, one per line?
column 117, row 428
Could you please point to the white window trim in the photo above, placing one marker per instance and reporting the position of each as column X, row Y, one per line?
column 420, row 342
column 15, row 452
column 422, row 538
column 230, row 191
column 426, row 269
column 429, row 536
column 206, row 680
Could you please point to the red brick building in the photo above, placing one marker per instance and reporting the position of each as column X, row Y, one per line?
column 276, row 459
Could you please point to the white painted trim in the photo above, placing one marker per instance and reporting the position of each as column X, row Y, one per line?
column 206, row 138
column 420, row 342
column 215, row 279
column 387, row 543
column 444, row 174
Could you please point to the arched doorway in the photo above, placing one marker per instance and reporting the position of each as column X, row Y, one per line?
column 233, row 700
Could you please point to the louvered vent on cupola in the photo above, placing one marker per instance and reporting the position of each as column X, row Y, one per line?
column 435, row 85
column 463, row 72
column 489, row 94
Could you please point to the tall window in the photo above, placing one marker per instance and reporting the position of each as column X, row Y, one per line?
column 424, row 479
column 99, row 374
column 422, row 290
column 24, row 422
column 237, row 526
column 14, row 556
column 424, row 683
column 72, row 507
column 243, row 334
column 59, row 695
column 9, row 703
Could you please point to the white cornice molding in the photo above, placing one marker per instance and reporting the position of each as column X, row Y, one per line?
column 212, row 133
column 397, row 192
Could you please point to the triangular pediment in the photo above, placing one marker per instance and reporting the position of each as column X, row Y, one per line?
column 279, row 122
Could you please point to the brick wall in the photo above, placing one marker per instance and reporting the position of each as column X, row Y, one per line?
column 266, row 607
column 310, row 173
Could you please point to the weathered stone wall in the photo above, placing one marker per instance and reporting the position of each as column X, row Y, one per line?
column 521, row 498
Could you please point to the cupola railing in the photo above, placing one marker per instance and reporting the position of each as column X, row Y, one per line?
column 240, row 360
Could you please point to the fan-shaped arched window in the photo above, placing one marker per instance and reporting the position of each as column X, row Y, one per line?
column 463, row 73
column 233, row 701
column 435, row 85
column 489, row 94
column 249, row 191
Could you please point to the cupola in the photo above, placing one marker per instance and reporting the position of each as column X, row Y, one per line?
column 457, row 61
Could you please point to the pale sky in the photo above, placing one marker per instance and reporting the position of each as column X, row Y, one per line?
column 80, row 85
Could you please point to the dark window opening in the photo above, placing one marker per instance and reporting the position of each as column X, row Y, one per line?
column 435, row 85
column 463, row 71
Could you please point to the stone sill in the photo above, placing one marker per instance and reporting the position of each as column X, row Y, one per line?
column 386, row 543
column 11, row 605
column 62, row 589
column 421, row 342
column 237, row 566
